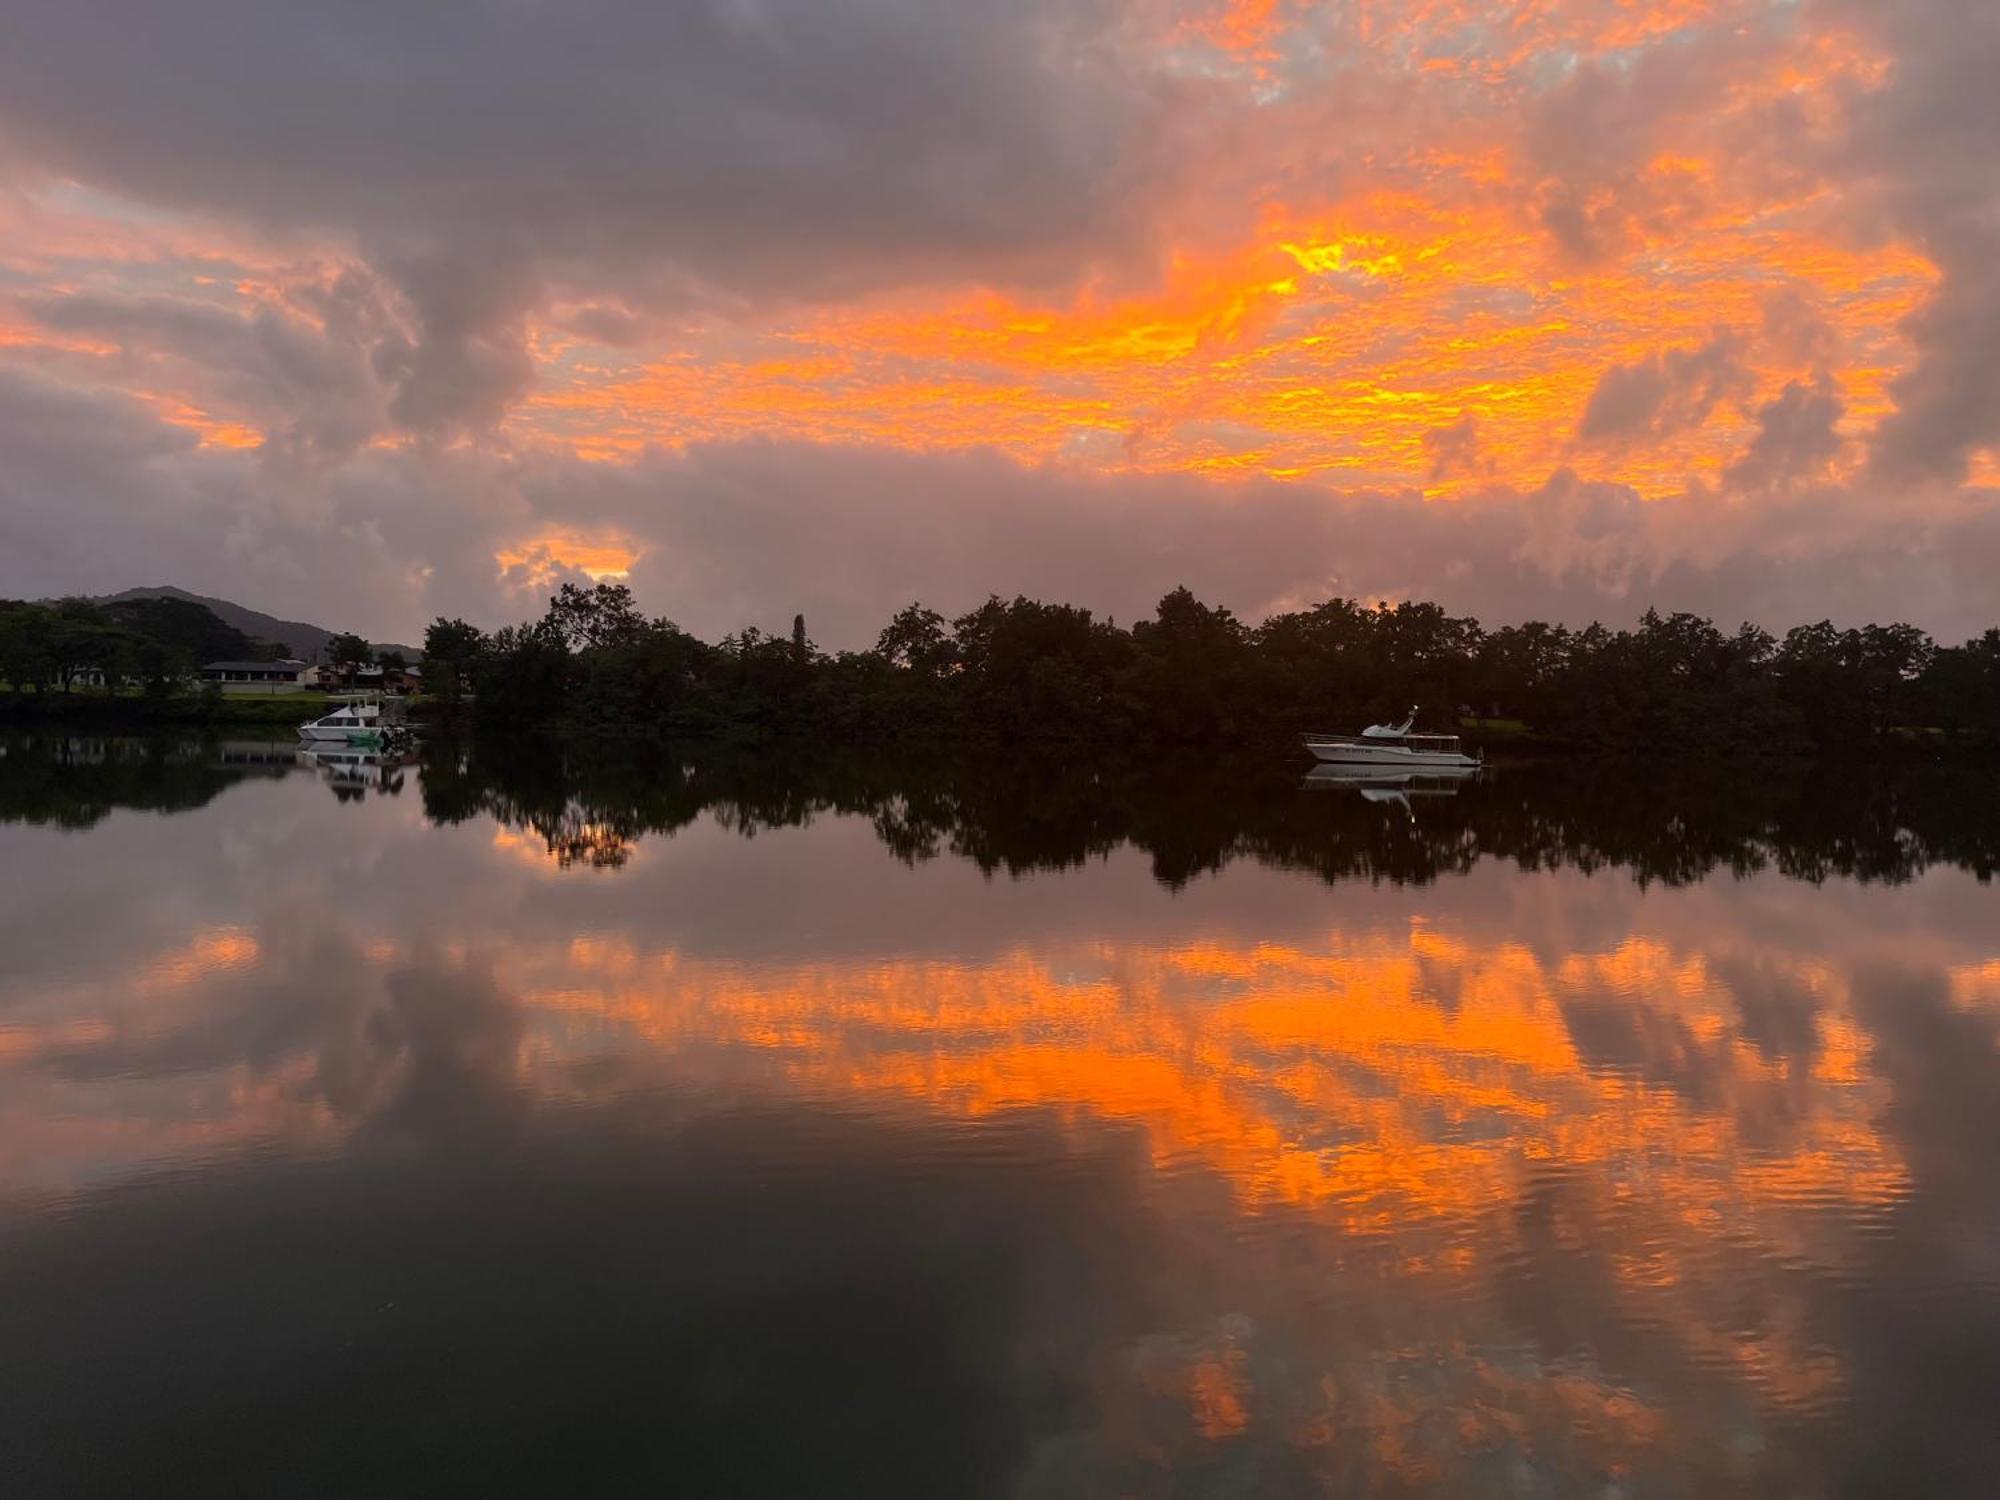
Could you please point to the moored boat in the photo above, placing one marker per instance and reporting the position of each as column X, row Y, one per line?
column 1391, row 747
column 357, row 716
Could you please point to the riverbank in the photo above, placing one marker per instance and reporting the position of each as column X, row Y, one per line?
column 135, row 713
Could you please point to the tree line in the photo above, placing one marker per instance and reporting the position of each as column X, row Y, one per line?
column 67, row 645
column 1020, row 670
column 64, row 644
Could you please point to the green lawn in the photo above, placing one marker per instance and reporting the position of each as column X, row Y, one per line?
column 132, row 705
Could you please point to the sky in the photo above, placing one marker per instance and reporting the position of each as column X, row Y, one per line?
column 364, row 312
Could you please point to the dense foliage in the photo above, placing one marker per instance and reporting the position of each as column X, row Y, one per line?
column 155, row 643
column 1023, row 671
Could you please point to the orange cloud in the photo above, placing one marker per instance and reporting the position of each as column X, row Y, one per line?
column 1330, row 344
column 537, row 562
column 1330, row 288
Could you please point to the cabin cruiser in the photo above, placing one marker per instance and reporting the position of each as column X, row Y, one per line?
column 356, row 717
column 1391, row 747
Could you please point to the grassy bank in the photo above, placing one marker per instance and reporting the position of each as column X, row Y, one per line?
column 132, row 710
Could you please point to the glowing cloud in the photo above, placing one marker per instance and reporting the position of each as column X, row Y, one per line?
column 540, row 562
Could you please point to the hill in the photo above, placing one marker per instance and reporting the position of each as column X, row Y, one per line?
column 298, row 637
column 191, row 631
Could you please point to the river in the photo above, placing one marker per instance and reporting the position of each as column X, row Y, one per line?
column 498, row 1124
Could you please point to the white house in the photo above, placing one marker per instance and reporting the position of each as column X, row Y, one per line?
column 256, row 676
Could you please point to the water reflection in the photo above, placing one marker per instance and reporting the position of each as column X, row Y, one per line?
column 353, row 774
column 1560, row 1141
column 1675, row 823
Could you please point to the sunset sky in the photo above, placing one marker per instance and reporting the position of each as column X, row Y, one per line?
column 363, row 312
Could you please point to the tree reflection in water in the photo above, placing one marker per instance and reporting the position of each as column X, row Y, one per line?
column 1675, row 822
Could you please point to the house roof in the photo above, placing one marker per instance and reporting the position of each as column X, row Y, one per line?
column 294, row 667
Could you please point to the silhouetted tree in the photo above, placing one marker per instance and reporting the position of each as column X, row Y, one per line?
column 452, row 650
column 596, row 618
column 349, row 650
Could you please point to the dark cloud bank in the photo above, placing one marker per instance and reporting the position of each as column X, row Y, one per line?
column 478, row 155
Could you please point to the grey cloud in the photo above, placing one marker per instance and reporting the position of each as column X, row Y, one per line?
column 479, row 152
column 601, row 324
column 1948, row 403
column 467, row 360
column 65, row 453
column 435, row 345
column 1665, row 392
column 749, row 533
column 310, row 389
column 1921, row 155
column 98, row 496
column 796, row 146
column 1453, row 449
column 1593, row 134
column 1796, row 330
column 1795, row 437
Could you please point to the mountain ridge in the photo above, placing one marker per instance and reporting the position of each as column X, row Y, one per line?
column 299, row 638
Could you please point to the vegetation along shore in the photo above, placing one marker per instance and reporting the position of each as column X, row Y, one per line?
column 1020, row 671
column 1014, row 671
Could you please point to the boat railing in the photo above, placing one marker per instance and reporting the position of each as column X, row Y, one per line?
column 1313, row 737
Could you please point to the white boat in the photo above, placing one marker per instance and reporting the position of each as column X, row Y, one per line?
column 356, row 717
column 1391, row 747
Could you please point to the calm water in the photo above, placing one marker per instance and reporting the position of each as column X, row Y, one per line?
column 744, row 1129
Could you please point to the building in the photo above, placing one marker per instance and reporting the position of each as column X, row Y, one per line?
column 256, row 676
column 351, row 677
column 371, row 677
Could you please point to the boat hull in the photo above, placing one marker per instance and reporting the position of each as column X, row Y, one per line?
column 335, row 733
column 1387, row 757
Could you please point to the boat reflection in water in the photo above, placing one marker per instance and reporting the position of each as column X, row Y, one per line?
column 352, row 771
column 1395, row 788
